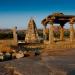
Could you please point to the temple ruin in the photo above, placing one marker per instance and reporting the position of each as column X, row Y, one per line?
column 52, row 42
column 59, row 18
column 32, row 33
column 56, row 18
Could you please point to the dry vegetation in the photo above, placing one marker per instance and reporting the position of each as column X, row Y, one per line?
column 5, row 45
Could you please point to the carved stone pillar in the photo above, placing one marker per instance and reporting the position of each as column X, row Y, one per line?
column 51, row 35
column 15, row 41
column 71, row 32
column 44, row 33
column 61, row 33
column 71, row 29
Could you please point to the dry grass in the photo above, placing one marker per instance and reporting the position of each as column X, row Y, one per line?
column 5, row 45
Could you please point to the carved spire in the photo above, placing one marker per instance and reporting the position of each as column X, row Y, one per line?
column 31, row 34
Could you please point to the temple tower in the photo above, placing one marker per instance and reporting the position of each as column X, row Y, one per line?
column 32, row 33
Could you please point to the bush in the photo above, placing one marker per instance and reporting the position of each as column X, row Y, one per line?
column 6, row 35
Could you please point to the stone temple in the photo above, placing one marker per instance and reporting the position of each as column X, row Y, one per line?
column 31, row 33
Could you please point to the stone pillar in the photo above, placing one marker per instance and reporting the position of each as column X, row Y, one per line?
column 71, row 32
column 61, row 33
column 44, row 33
column 15, row 41
column 51, row 35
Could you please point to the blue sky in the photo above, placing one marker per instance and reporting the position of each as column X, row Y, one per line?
column 18, row 12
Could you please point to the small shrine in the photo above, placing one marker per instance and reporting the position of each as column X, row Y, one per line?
column 61, row 19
